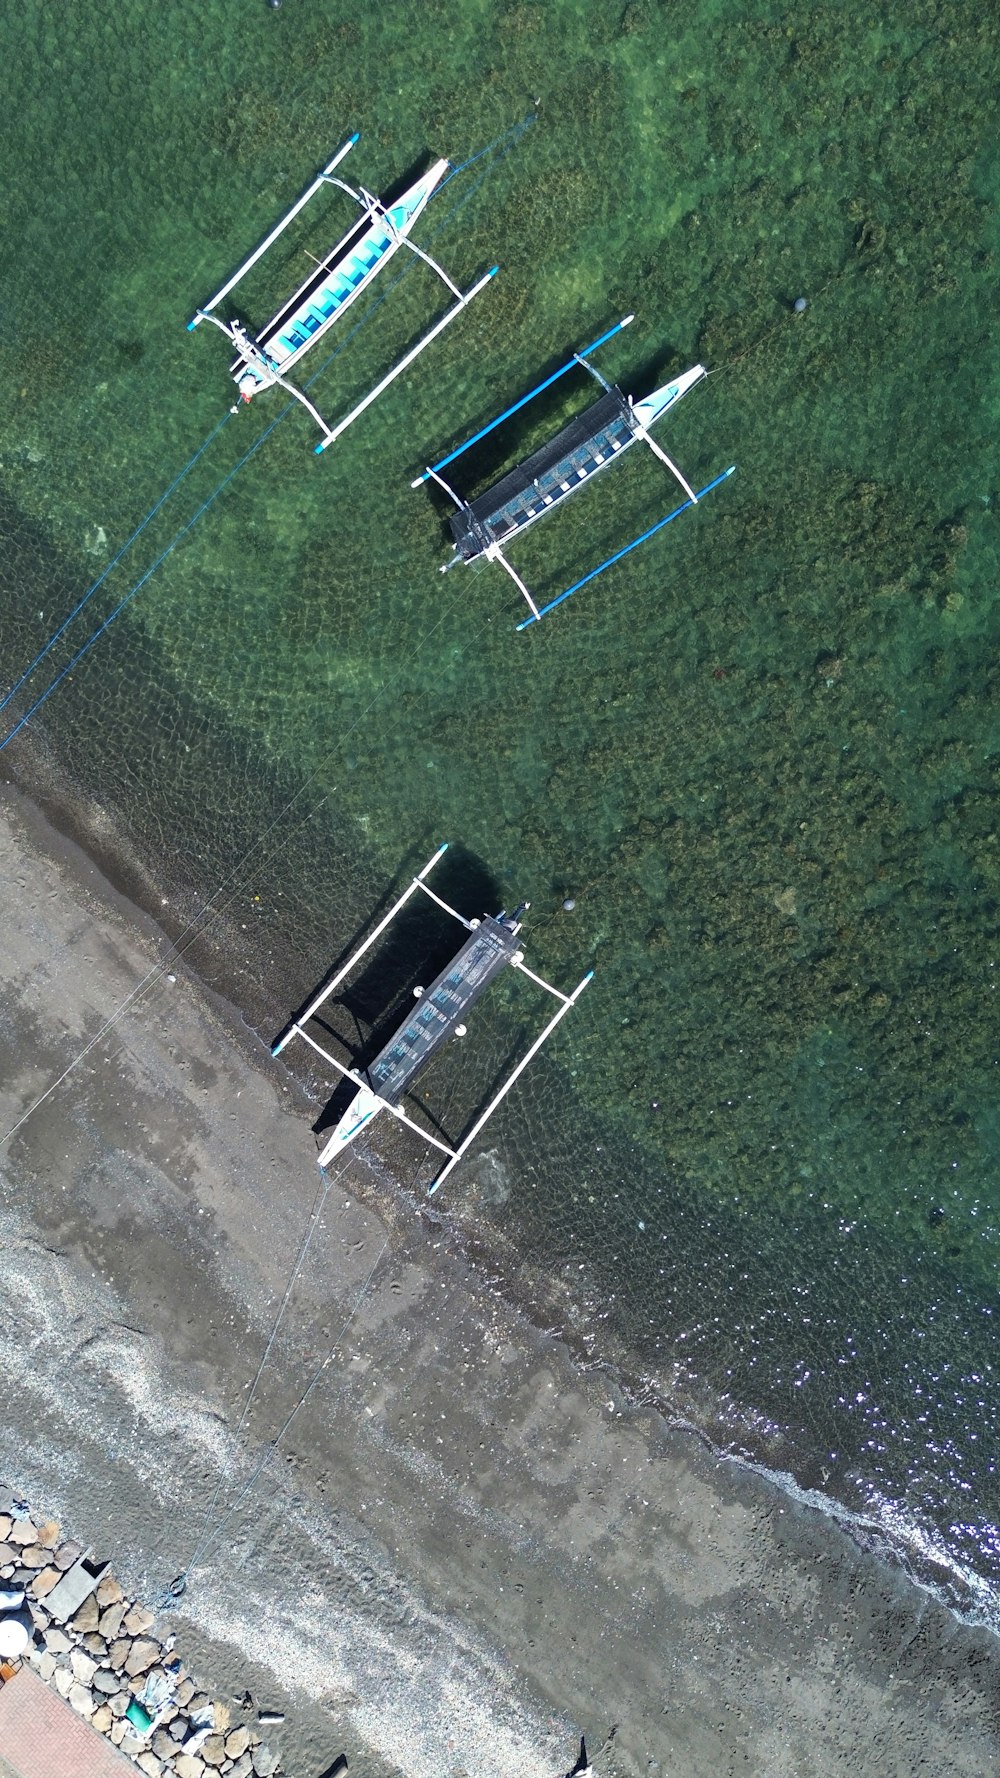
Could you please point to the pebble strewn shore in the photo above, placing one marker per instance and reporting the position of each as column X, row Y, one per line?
column 106, row 1662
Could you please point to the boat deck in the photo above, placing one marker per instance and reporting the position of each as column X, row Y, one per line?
column 441, row 1008
column 325, row 295
column 588, row 444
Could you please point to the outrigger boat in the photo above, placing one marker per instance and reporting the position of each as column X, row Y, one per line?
column 491, row 946
column 337, row 280
column 590, row 443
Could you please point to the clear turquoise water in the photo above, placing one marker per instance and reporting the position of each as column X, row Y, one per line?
column 761, row 1159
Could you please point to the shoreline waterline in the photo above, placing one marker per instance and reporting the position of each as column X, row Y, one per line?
column 731, row 1435
column 581, row 1563
column 748, row 776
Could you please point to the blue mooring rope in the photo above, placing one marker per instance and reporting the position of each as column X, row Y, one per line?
column 140, row 583
column 185, row 528
column 102, row 577
column 501, row 144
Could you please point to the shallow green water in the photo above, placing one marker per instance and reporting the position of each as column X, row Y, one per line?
column 760, row 754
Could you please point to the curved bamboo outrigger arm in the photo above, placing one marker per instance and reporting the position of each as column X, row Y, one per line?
column 321, row 179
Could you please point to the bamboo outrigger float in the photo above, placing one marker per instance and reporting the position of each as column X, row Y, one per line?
column 491, row 946
column 335, row 283
column 590, row 443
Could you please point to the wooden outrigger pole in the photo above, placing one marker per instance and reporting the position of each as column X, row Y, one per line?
column 483, row 527
column 491, row 945
column 334, row 284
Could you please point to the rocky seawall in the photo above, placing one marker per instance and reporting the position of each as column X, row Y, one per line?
column 103, row 1657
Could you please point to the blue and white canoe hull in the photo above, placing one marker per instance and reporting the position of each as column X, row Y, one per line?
column 346, row 272
column 363, row 1108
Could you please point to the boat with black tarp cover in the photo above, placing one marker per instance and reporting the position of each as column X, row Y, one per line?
column 598, row 437
column 491, row 946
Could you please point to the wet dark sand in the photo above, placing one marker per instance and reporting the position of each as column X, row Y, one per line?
column 464, row 1551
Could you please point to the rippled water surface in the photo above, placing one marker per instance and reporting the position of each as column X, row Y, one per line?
column 761, row 1158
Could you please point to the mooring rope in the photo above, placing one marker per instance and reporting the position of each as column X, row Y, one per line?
column 501, row 146
column 203, row 1540
column 206, row 1541
column 195, row 929
column 187, row 527
column 102, row 577
column 209, row 1539
column 215, row 906
column 130, row 595
column 213, row 909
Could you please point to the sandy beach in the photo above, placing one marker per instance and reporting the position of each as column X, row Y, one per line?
column 464, row 1551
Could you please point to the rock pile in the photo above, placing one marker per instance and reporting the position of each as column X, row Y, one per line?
column 105, row 1660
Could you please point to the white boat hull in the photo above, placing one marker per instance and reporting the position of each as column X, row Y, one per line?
column 653, row 407
column 351, row 267
column 359, row 1114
